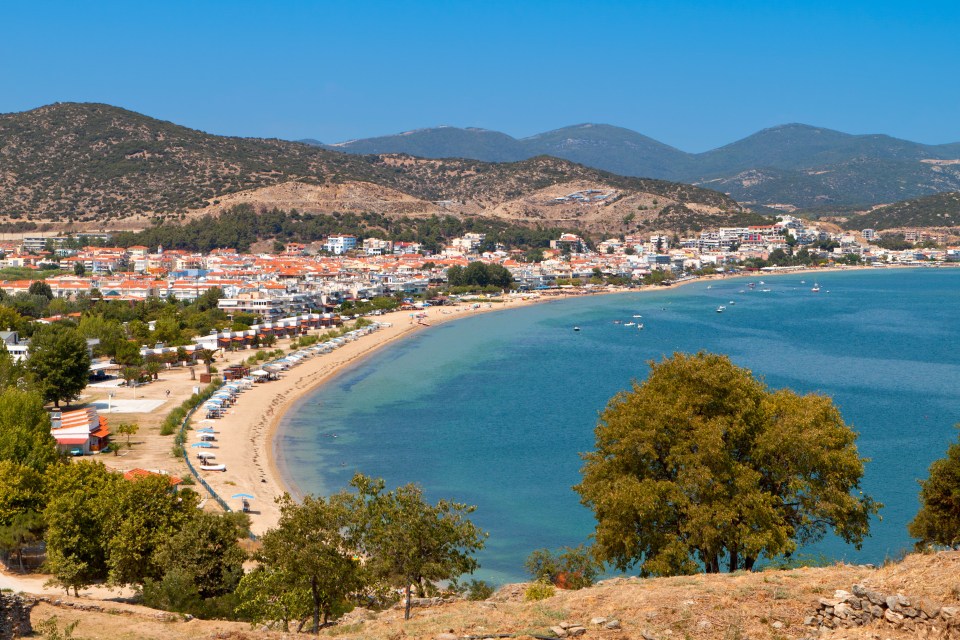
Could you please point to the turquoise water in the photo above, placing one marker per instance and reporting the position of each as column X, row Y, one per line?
column 493, row 410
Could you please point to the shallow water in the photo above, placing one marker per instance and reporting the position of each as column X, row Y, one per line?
column 493, row 410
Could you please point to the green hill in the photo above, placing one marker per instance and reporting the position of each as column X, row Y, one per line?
column 939, row 210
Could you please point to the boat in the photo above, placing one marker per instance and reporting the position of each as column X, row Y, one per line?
column 816, row 287
column 638, row 316
column 213, row 467
column 721, row 309
column 732, row 302
column 709, row 286
column 752, row 285
column 629, row 324
column 640, row 327
column 576, row 328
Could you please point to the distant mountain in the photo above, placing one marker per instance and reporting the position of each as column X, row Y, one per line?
column 96, row 164
column 794, row 164
column 940, row 210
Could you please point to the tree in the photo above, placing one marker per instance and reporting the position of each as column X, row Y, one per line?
column 308, row 553
column 407, row 540
column 25, row 430
column 702, row 464
column 569, row 567
column 206, row 552
column 128, row 429
column 79, row 270
column 40, row 288
column 59, row 363
column 23, row 530
column 938, row 521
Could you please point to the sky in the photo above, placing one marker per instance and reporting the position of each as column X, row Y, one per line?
column 695, row 75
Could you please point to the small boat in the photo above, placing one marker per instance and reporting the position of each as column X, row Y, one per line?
column 629, row 324
column 709, row 286
column 752, row 285
column 576, row 328
column 732, row 302
column 803, row 282
column 816, row 287
column 721, row 309
column 213, row 467
column 638, row 316
column 640, row 327
column 617, row 322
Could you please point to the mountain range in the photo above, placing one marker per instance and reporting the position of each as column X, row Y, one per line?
column 84, row 163
column 789, row 166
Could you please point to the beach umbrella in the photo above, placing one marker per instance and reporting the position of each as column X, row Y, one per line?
column 202, row 445
column 206, row 430
column 245, row 496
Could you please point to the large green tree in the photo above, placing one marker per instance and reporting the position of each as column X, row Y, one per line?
column 59, row 363
column 702, row 464
column 25, row 430
column 938, row 521
column 207, row 552
column 408, row 541
column 308, row 555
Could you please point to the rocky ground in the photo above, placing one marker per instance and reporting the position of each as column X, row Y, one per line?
column 921, row 594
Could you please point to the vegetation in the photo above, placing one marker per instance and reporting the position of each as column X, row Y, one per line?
column 479, row 275
column 701, row 464
column 568, row 568
column 938, row 521
column 409, row 541
column 938, row 210
column 59, row 363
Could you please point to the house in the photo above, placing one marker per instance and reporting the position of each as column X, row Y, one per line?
column 80, row 432
column 14, row 345
column 339, row 245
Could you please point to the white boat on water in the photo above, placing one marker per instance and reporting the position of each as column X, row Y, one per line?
column 816, row 287
column 638, row 316
column 721, row 309
column 576, row 328
column 640, row 326
column 629, row 324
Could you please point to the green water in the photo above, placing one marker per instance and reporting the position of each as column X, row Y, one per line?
column 493, row 410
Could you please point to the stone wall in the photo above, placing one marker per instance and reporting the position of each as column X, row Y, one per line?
column 862, row 606
column 15, row 616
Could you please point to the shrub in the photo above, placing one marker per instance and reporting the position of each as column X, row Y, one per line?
column 539, row 591
column 567, row 568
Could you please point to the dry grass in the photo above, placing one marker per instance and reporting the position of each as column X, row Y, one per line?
column 743, row 605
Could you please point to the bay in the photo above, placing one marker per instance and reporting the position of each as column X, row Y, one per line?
column 493, row 410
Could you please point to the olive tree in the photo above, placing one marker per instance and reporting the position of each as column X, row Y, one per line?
column 938, row 521
column 702, row 464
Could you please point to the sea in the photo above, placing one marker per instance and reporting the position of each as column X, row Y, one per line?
column 494, row 410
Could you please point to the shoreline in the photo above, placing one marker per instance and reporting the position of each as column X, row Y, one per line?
column 256, row 418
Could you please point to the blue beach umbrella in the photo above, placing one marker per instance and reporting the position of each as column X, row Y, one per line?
column 202, row 445
column 245, row 496
column 206, row 430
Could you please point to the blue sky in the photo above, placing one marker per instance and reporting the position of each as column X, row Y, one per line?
column 692, row 74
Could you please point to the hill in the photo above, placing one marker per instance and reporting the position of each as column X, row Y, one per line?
column 766, row 604
column 940, row 210
column 98, row 164
column 795, row 165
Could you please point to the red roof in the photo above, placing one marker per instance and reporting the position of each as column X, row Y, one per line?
column 101, row 433
column 63, row 440
column 136, row 474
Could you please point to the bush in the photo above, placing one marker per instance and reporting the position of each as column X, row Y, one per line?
column 539, row 591
column 474, row 590
column 567, row 568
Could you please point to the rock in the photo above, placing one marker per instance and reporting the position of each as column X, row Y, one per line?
column 558, row 631
column 777, row 625
column 876, row 611
column 842, row 610
column 565, row 625
column 598, row 621
column 891, row 616
column 646, row 634
column 445, row 636
column 613, row 624
column 859, row 590
column 876, row 598
column 841, row 595
column 893, row 603
column 704, row 625
column 810, row 621
column 948, row 613
column 574, row 632
column 929, row 607
column 910, row 612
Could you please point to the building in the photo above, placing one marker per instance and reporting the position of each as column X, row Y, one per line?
column 80, row 432
column 869, row 234
column 338, row 245
column 14, row 345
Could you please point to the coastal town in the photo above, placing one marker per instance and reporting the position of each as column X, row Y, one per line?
column 344, row 268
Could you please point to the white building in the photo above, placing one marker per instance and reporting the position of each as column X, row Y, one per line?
column 339, row 245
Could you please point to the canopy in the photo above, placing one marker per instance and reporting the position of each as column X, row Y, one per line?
column 202, row 445
column 259, row 372
column 245, row 496
column 206, row 455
